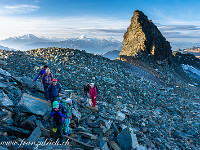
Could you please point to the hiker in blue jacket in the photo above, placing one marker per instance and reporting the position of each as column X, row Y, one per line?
column 57, row 113
column 53, row 91
column 41, row 72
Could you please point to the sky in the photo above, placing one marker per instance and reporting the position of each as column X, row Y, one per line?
column 178, row 20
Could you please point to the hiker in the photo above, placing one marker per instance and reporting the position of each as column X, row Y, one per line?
column 47, row 79
column 86, row 89
column 68, row 115
column 57, row 113
column 53, row 91
column 41, row 72
column 93, row 94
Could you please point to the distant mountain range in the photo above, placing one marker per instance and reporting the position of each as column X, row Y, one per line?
column 183, row 45
column 6, row 48
column 194, row 50
column 92, row 45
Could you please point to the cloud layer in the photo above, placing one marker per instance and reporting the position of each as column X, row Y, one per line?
column 187, row 31
column 63, row 27
column 18, row 9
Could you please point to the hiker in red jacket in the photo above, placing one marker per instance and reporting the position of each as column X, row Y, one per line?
column 93, row 94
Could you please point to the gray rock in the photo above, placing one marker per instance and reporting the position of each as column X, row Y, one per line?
column 4, row 85
column 127, row 139
column 114, row 145
column 104, row 145
column 33, row 105
column 45, row 132
column 15, row 92
column 5, row 138
column 35, row 135
column 141, row 147
column 14, row 130
column 120, row 116
column 149, row 143
column 77, row 114
column 5, row 142
column 9, row 121
column 88, row 135
column 4, row 72
column 27, row 82
column 5, row 115
column 4, row 100
column 3, row 148
column 29, row 123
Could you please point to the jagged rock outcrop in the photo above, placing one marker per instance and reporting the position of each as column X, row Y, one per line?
column 143, row 36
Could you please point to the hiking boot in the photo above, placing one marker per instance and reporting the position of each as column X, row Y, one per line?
column 68, row 133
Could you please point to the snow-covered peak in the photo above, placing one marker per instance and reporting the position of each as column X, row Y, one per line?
column 82, row 37
column 27, row 36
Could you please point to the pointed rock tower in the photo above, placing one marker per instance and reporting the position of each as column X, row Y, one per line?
column 143, row 36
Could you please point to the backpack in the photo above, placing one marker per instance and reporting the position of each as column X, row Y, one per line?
column 96, row 88
column 62, row 108
column 45, row 75
column 41, row 72
column 67, row 110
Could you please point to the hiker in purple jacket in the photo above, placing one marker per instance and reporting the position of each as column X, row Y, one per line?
column 41, row 72
column 47, row 79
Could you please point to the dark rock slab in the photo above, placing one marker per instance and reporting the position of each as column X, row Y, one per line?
column 5, row 100
column 35, row 135
column 3, row 148
column 76, row 114
column 88, row 135
column 29, row 123
column 5, row 73
column 15, row 130
column 33, row 105
column 104, row 145
column 14, row 91
column 4, row 85
column 127, row 139
column 85, row 145
column 114, row 145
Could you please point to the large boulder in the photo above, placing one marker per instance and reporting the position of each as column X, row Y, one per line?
column 31, row 104
column 127, row 139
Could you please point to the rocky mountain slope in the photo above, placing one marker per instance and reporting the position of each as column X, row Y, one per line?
column 156, row 109
column 114, row 54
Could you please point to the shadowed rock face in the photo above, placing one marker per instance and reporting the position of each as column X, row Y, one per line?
column 143, row 36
